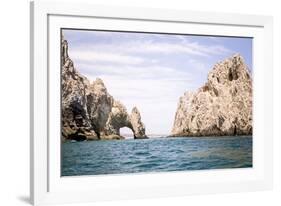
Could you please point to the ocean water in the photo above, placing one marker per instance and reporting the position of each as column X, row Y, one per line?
column 155, row 155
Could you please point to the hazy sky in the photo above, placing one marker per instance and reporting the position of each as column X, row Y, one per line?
column 151, row 71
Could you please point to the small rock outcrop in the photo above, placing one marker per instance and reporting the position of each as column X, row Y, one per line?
column 89, row 112
column 137, row 124
column 223, row 106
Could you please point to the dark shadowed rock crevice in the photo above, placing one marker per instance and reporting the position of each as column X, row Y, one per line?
column 89, row 112
column 223, row 106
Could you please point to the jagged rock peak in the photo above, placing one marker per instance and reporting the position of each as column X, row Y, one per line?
column 98, row 86
column 222, row 106
column 99, row 81
column 64, row 50
column 135, row 111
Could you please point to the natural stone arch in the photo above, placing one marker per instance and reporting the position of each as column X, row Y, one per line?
column 108, row 115
column 119, row 118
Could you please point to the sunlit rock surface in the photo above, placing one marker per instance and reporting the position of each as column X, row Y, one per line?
column 223, row 106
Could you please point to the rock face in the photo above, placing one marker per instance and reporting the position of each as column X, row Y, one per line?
column 223, row 106
column 89, row 112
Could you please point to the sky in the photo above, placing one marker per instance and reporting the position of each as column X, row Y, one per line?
column 151, row 71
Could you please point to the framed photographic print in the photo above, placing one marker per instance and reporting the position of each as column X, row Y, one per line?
column 137, row 103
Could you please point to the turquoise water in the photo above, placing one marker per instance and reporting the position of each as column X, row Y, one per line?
column 155, row 155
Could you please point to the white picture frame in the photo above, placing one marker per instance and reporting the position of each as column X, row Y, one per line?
column 46, row 184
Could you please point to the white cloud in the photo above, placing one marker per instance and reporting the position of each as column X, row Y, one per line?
column 214, row 38
column 97, row 56
column 116, row 51
column 134, row 71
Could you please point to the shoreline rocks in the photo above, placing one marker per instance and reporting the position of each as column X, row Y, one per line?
column 223, row 106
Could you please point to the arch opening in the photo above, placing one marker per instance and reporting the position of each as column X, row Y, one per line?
column 126, row 132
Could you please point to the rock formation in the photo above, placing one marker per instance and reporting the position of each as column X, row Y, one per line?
column 89, row 112
column 137, row 124
column 223, row 106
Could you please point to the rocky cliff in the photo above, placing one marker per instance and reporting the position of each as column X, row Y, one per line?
column 89, row 112
column 223, row 106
